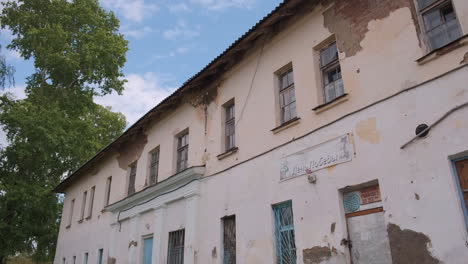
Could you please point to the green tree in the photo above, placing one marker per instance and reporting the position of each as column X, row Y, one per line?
column 78, row 54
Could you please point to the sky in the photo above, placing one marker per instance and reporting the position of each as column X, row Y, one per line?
column 169, row 41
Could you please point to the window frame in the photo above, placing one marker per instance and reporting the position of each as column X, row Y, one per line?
column 107, row 191
column 70, row 213
column 436, row 5
column 176, row 249
column 92, row 192
column 229, row 122
column 224, row 242
column 83, row 206
column 282, row 91
column 132, row 171
column 153, row 164
column 100, row 256
column 280, row 229
column 327, row 68
column 182, row 164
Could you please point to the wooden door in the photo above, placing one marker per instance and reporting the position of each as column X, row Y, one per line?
column 462, row 172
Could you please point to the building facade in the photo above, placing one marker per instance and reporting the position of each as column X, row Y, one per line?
column 331, row 132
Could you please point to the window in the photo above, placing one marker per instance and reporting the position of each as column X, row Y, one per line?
column 131, row 179
column 83, row 205
column 175, row 253
column 462, row 173
column 229, row 240
column 74, row 259
column 182, row 151
column 287, row 96
column 70, row 216
column 230, row 126
column 440, row 22
column 331, row 73
column 85, row 259
column 284, row 232
column 108, row 191
column 91, row 202
column 154, row 166
column 100, row 253
column 148, row 250
column 63, row 260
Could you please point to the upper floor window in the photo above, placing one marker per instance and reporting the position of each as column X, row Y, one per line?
column 108, row 191
column 154, row 166
column 83, row 205
column 182, row 151
column 70, row 215
column 331, row 73
column 131, row 179
column 287, row 96
column 230, row 126
column 91, row 202
column 440, row 22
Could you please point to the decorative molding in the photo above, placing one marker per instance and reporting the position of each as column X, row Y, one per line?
column 180, row 186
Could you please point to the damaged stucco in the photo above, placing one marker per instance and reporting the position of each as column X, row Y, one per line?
column 131, row 151
column 408, row 246
column 318, row 254
column 349, row 20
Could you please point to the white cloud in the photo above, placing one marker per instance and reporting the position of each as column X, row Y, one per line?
column 142, row 92
column 137, row 33
column 223, row 4
column 11, row 55
column 181, row 30
column 133, row 10
column 179, row 8
column 17, row 91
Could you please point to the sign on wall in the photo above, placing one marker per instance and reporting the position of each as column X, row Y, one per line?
column 320, row 156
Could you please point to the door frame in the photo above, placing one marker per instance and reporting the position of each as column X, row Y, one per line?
column 459, row 190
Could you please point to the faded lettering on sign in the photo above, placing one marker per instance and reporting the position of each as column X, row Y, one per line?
column 320, row 156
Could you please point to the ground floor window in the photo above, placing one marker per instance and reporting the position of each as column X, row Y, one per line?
column 147, row 250
column 284, row 232
column 175, row 254
column 462, row 175
column 229, row 240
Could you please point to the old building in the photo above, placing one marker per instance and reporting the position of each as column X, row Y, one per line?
column 331, row 132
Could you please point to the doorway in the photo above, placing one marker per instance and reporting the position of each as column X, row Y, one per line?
column 368, row 239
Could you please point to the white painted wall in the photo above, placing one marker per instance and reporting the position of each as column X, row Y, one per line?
column 386, row 66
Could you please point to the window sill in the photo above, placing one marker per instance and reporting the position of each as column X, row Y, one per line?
column 286, row 125
column 460, row 42
column 227, row 153
column 323, row 107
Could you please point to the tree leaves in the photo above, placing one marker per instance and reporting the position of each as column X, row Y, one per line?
column 78, row 54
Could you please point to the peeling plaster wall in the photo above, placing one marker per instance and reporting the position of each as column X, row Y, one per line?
column 379, row 62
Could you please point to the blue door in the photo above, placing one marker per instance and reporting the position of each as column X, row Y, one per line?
column 147, row 250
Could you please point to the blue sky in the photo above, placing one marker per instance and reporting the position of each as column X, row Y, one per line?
column 169, row 41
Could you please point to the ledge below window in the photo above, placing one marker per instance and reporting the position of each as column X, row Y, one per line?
column 332, row 103
column 285, row 125
column 227, row 153
column 460, row 42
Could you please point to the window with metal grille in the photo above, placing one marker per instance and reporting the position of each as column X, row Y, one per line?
column 131, row 179
column 182, row 151
column 331, row 73
column 284, row 232
column 230, row 128
column 229, row 240
column 287, row 96
column 85, row 259
column 440, row 22
column 175, row 252
column 154, row 166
